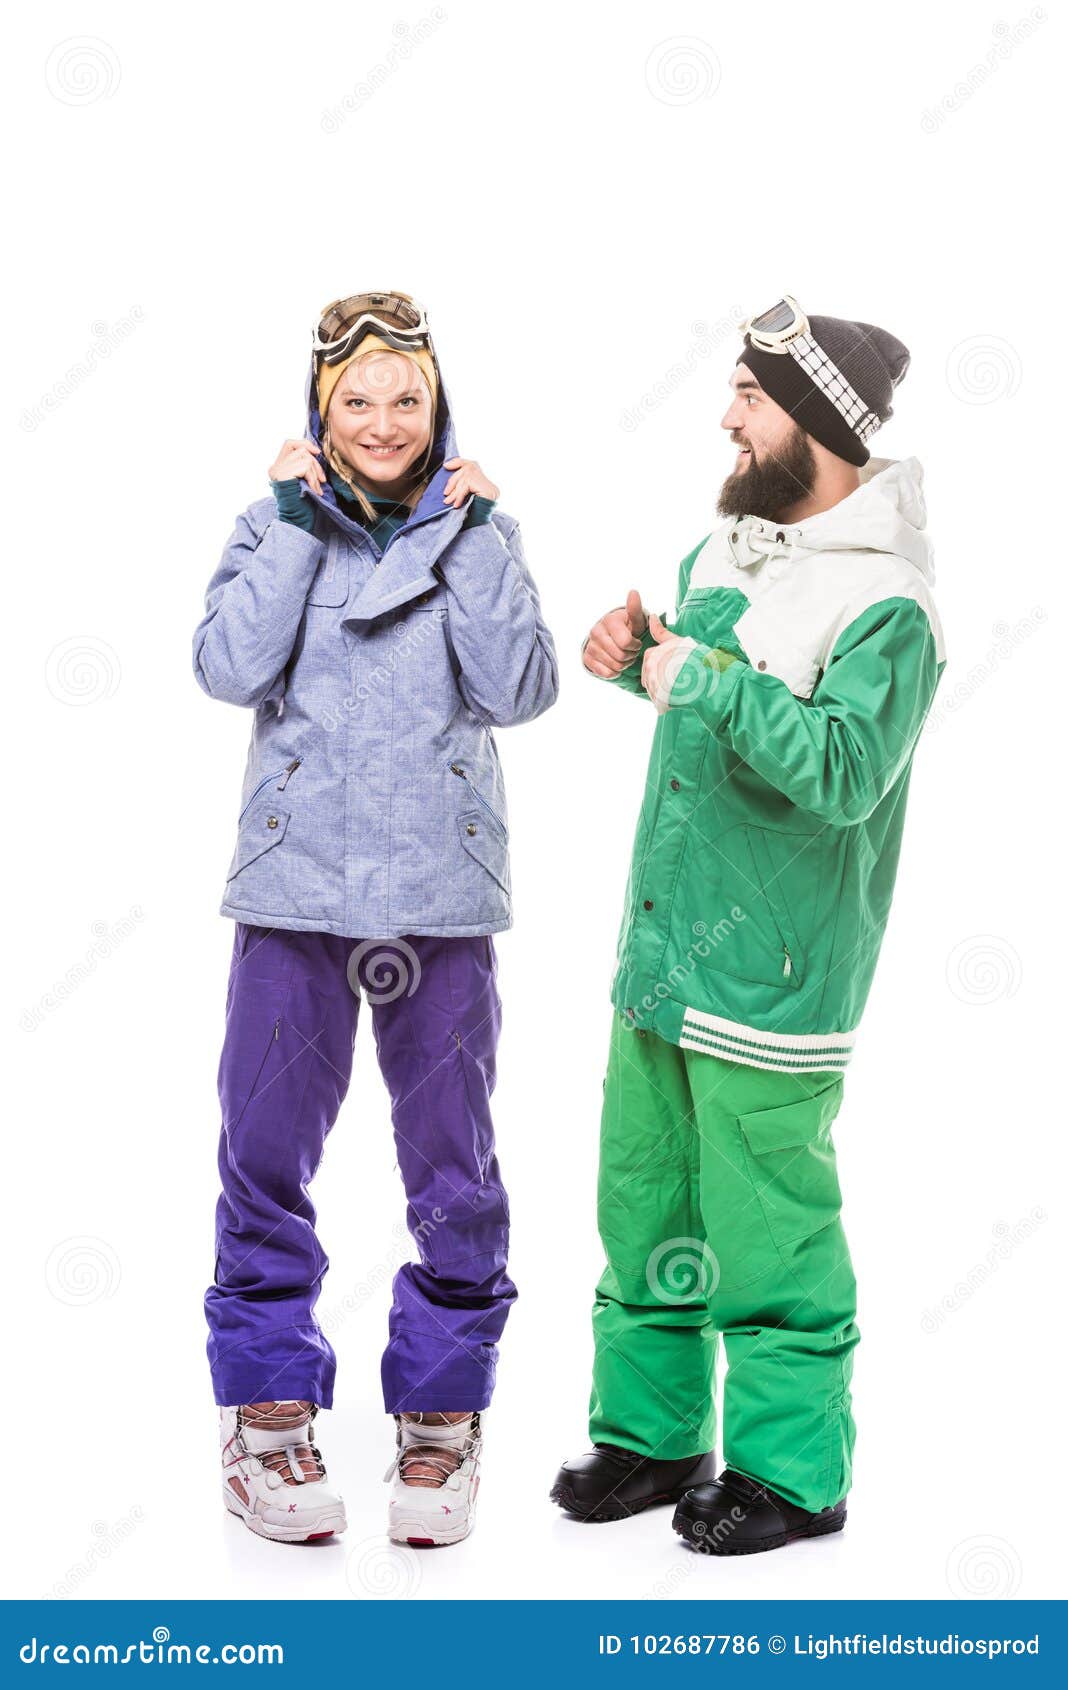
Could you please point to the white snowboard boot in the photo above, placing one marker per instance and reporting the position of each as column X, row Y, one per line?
column 265, row 1482
column 440, row 1508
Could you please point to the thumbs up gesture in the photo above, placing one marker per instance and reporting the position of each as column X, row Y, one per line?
column 613, row 642
column 662, row 662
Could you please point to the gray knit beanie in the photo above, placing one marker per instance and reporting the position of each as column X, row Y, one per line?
column 837, row 382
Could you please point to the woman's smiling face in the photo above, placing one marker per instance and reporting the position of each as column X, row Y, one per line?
column 380, row 418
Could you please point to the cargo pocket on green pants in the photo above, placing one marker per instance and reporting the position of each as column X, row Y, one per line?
column 791, row 1161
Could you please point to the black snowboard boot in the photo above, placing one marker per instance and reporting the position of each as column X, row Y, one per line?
column 735, row 1516
column 609, row 1483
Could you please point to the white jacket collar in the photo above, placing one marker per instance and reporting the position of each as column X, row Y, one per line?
column 886, row 513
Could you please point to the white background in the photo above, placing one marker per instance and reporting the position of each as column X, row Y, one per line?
column 586, row 197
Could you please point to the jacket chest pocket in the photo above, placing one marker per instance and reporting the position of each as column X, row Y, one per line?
column 708, row 615
column 331, row 583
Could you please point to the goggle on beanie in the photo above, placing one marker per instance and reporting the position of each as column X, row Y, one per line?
column 810, row 381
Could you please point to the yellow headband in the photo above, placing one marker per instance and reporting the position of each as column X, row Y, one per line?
column 330, row 374
column 327, row 380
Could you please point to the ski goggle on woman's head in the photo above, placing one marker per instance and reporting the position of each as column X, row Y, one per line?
column 395, row 317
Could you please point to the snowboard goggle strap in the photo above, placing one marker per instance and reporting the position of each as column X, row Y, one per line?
column 395, row 317
column 785, row 329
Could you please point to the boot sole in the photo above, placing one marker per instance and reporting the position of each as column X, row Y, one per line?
column 438, row 1542
column 611, row 1508
column 686, row 1528
column 278, row 1534
column 418, row 1536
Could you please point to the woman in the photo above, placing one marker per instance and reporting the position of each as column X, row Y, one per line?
column 377, row 614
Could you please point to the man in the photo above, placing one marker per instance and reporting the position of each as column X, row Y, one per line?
column 791, row 689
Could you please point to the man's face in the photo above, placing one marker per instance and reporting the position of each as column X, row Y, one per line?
column 775, row 466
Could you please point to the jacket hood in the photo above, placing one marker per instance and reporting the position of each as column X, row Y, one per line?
column 431, row 503
column 886, row 513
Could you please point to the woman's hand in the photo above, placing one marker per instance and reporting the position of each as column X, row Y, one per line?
column 299, row 460
column 468, row 478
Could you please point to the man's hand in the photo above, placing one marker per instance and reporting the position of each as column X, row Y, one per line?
column 613, row 642
column 468, row 477
column 662, row 662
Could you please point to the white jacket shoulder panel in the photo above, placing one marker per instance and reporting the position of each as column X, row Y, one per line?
column 807, row 583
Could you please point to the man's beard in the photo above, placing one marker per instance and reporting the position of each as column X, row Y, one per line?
column 771, row 486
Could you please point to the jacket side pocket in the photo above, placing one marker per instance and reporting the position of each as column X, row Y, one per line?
column 262, row 828
column 770, row 878
column 481, row 840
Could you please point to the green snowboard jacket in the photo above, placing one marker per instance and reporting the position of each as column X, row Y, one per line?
column 768, row 840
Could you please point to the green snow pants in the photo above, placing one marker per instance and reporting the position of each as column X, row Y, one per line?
column 718, row 1207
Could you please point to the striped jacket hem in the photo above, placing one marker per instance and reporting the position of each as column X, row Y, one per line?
column 796, row 1053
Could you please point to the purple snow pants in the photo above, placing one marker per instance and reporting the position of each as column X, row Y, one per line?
column 291, row 1011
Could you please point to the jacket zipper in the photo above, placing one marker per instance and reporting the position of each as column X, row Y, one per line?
column 287, row 771
column 787, row 965
column 456, row 769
